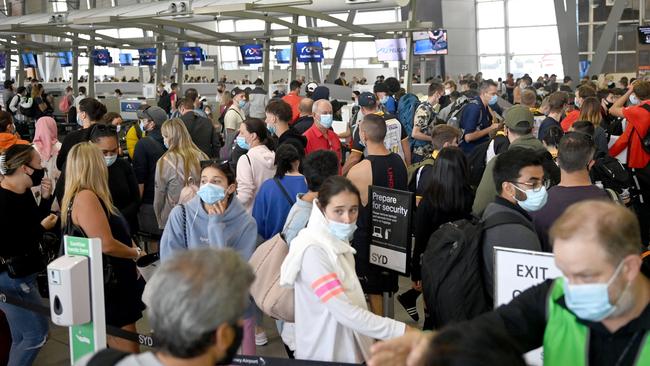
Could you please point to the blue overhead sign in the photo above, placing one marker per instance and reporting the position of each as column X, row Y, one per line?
column 29, row 59
column 192, row 55
column 283, row 56
column 309, row 51
column 101, row 57
column 252, row 53
column 126, row 59
column 147, row 56
column 65, row 58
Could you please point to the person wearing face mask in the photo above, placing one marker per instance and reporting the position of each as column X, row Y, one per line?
column 89, row 112
column 596, row 314
column 384, row 98
column 147, row 152
column 278, row 115
column 23, row 223
column 518, row 128
column 258, row 164
column 519, row 179
column 233, row 118
column 177, row 168
column 449, row 88
column 201, row 326
column 584, row 91
column 8, row 135
column 320, row 135
column 215, row 217
column 332, row 319
column 638, row 157
column 476, row 119
column 575, row 158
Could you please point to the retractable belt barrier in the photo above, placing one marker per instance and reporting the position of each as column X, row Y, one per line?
column 150, row 341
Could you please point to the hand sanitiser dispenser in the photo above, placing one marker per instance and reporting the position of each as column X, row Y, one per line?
column 69, row 282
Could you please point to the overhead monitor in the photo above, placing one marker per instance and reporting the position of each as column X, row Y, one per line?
column 101, row 57
column 126, row 59
column 310, row 51
column 192, row 55
column 391, row 49
column 147, row 56
column 3, row 61
column 29, row 59
column 430, row 43
column 644, row 34
column 65, row 58
column 251, row 54
column 283, row 56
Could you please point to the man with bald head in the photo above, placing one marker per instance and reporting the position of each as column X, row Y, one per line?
column 320, row 135
column 306, row 119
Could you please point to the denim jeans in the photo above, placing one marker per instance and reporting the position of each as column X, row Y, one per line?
column 28, row 329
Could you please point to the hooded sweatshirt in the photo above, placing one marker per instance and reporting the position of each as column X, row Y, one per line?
column 293, row 137
column 234, row 229
column 253, row 169
column 332, row 319
column 7, row 140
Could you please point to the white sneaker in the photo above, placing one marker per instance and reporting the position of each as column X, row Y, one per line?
column 261, row 339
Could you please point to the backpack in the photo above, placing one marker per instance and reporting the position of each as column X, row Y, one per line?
column 611, row 173
column 406, row 108
column 645, row 140
column 414, row 170
column 456, row 112
column 8, row 103
column 165, row 102
column 64, row 104
column 107, row 357
column 452, row 269
column 29, row 112
column 477, row 158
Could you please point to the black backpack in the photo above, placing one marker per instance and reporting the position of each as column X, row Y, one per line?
column 611, row 173
column 8, row 102
column 452, row 269
column 476, row 158
column 165, row 102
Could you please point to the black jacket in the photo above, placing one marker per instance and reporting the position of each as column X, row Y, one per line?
column 303, row 123
column 147, row 152
column 203, row 133
column 294, row 138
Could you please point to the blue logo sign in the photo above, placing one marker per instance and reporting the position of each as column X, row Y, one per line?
column 309, row 51
column 129, row 106
column 584, row 68
column 252, row 53
column 147, row 56
column 192, row 55
column 101, row 57
column 391, row 49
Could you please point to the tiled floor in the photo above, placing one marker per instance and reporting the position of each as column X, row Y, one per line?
column 56, row 351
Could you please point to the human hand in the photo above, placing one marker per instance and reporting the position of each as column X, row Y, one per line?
column 217, row 208
column 46, row 188
column 417, row 285
column 408, row 349
column 49, row 222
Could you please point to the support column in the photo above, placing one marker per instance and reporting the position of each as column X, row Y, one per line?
column 159, row 64
column 267, row 58
column 75, row 69
column 606, row 38
column 21, row 68
column 8, row 65
column 567, row 27
column 340, row 50
column 179, row 60
column 91, row 67
column 408, row 73
column 293, row 74
column 311, row 22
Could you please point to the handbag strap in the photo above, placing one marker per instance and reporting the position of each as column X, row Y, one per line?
column 284, row 191
column 184, row 224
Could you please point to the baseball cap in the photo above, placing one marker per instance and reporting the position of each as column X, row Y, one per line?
column 321, row 92
column 367, row 99
column 380, row 88
column 8, row 83
column 235, row 91
column 516, row 114
column 311, row 87
column 155, row 113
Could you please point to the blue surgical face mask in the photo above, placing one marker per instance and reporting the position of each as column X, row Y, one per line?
column 271, row 129
column 241, row 104
column 534, row 200
column 577, row 103
column 493, row 100
column 143, row 125
column 110, row 159
column 326, row 120
column 341, row 230
column 166, row 144
column 634, row 99
column 211, row 193
column 591, row 301
column 383, row 100
column 80, row 122
column 241, row 142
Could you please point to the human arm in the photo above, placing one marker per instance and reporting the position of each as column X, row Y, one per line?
column 423, row 230
column 140, row 165
column 174, row 235
column 407, row 151
column 418, row 135
column 319, row 277
column 161, row 184
column 89, row 215
column 622, row 141
column 13, row 105
column 260, row 210
column 353, row 159
column 618, row 107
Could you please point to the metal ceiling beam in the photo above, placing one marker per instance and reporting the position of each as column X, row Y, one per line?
column 192, row 27
column 322, row 16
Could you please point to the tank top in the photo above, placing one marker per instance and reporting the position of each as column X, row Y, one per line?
column 387, row 171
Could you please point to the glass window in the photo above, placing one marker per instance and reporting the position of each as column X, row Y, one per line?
column 229, row 53
column 583, row 38
column 249, row 25
column 534, row 40
column 490, row 14
column 363, row 49
column 492, row 67
column 519, row 12
column 536, row 65
column 491, row 41
column 583, row 11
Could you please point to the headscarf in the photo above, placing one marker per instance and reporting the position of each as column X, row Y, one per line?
column 45, row 137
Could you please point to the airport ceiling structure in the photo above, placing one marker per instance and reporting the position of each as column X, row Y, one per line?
column 194, row 22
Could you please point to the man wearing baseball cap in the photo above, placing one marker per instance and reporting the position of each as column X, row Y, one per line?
column 396, row 139
column 147, row 152
column 519, row 122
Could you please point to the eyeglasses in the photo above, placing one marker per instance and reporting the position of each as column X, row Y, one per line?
column 535, row 187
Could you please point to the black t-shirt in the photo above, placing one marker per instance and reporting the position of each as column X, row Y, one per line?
column 20, row 222
column 69, row 141
column 546, row 125
column 147, row 153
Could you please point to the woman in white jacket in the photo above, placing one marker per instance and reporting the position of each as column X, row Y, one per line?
column 332, row 318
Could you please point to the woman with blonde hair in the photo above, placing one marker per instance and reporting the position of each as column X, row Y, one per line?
column 88, row 211
column 590, row 111
column 177, row 168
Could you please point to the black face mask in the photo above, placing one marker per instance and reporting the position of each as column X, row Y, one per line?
column 232, row 349
column 37, row 176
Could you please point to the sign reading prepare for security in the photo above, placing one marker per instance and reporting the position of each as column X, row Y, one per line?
column 309, row 51
column 251, row 53
column 390, row 224
column 516, row 270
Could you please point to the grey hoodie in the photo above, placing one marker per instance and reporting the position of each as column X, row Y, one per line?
column 234, row 229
